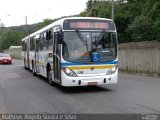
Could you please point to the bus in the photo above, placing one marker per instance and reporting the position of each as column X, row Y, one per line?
column 74, row 51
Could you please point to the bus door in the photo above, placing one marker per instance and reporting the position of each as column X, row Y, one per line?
column 37, row 55
column 57, row 58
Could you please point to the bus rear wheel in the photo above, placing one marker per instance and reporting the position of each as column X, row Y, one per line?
column 33, row 69
column 24, row 64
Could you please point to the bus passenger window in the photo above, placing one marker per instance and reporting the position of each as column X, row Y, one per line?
column 23, row 46
column 41, row 42
column 32, row 44
column 49, row 43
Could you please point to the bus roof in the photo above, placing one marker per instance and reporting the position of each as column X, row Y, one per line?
column 60, row 23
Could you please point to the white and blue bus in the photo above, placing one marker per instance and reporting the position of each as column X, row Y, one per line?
column 74, row 51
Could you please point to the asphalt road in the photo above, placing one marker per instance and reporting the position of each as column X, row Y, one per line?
column 20, row 92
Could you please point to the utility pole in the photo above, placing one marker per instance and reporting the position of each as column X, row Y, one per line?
column 26, row 20
column 26, row 25
column 112, row 15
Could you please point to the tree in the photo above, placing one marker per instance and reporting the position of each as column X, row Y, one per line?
column 157, row 29
column 11, row 38
column 97, row 9
column 136, row 20
column 142, row 29
column 155, row 11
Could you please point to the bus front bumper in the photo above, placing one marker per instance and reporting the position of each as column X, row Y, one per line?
column 88, row 81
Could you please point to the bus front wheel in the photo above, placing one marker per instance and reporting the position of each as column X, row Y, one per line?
column 49, row 76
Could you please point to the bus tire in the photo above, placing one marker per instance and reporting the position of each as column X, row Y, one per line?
column 33, row 69
column 49, row 76
column 25, row 67
column 25, row 64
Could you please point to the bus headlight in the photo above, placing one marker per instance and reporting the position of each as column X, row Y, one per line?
column 112, row 70
column 69, row 72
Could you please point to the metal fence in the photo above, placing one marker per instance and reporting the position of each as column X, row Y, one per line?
column 140, row 57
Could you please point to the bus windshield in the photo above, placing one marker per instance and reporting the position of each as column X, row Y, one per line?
column 78, row 46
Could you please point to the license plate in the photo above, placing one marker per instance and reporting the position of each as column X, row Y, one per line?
column 5, row 61
column 92, row 83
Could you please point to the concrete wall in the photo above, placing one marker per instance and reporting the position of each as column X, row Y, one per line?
column 140, row 57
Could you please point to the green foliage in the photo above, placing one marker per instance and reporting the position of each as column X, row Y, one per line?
column 97, row 9
column 122, row 26
column 142, row 29
column 157, row 29
column 124, row 16
column 136, row 20
column 155, row 11
column 12, row 38
column 14, row 35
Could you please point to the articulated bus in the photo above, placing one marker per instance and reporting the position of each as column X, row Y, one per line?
column 74, row 51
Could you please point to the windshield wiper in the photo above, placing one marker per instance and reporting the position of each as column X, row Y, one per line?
column 99, row 38
column 84, row 41
column 81, row 37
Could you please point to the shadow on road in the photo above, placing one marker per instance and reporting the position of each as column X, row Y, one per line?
column 6, row 64
column 82, row 89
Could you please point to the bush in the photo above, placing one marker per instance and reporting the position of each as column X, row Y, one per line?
column 142, row 29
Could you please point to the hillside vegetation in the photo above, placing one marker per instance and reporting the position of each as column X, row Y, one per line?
column 13, row 35
column 136, row 20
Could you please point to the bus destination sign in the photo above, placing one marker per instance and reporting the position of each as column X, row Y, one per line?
column 89, row 24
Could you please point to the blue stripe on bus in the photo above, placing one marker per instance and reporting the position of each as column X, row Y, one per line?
column 68, row 64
